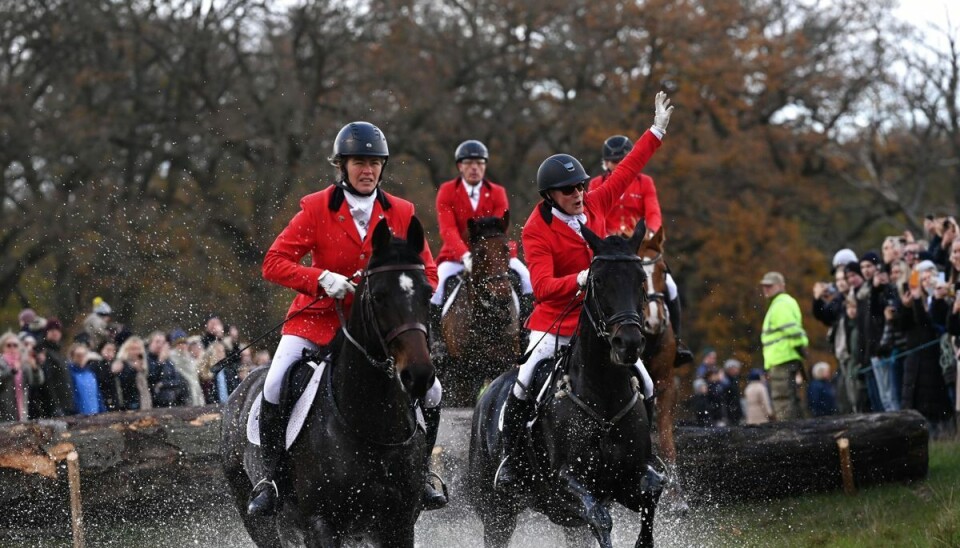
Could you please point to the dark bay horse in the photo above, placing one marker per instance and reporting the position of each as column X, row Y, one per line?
column 357, row 469
column 661, row 349
column 590, row 444
column 481, row 328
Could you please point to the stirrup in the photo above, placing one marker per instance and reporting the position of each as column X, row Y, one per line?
column 251, row 510
column 442, row 491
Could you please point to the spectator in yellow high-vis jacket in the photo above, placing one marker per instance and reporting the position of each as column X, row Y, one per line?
column 784, row 346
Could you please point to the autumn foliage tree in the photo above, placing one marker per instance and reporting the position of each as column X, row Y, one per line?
column 150, row 150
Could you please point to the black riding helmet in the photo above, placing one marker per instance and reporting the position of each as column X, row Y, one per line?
column 616, row 148
column 358, row 139
column 471, row 149
column 558, row 171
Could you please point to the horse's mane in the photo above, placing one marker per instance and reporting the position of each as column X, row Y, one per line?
column 485, row 227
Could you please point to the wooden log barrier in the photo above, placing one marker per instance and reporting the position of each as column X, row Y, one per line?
column 791, row 458
column 149, row 460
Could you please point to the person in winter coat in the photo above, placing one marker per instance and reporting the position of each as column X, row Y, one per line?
column 335, row 227
column 757, row 407
column 784, row 346
column 86, row 392
column 821, row 397
column 559, row 262
column 130, row 368
column 56, row 395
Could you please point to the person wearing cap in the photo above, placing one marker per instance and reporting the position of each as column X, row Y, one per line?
column 639, row 201
column 470, row 196
column 96, row 324
column 559, row 260
column 784, row 346
column 335, row 227
column 55, row 398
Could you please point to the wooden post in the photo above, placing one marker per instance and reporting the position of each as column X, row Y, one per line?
column 76, row 510
column 846, row 466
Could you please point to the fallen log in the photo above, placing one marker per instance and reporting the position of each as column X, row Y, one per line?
column 774, row 460
column 154, row 461
column 131, row 460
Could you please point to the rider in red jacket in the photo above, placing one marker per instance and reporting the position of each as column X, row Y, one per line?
column 559, row 261
column 639, row 201
column 469, row 196
column 334, row 227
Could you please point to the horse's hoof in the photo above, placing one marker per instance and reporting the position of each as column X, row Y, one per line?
column 674, row 501
column 433, row 499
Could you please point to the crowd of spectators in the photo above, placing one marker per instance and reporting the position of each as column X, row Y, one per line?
column 106, row 367
column 894, row 330
column 894, row 320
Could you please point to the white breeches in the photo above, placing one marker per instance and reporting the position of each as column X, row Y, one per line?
column 452, row 268
column 291, row 349
column 444, row 271
column 671, row 288
column 545, row 345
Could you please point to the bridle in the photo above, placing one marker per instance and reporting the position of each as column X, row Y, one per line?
column 388, row 366
column 602, row 324
column 654, row 295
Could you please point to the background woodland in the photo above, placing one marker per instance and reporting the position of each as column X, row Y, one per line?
column 151, row 150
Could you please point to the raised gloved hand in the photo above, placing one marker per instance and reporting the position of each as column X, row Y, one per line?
column 662, row 111
column 335, row 285
column 467, row 261
column 582, row 278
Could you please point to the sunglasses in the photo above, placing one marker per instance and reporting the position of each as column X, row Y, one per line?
column 569, row 190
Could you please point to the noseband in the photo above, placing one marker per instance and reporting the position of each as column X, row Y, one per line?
column 387, row 366
column 601, row 324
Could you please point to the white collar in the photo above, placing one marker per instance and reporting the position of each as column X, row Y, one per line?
column 364, row 203
column 572, row 221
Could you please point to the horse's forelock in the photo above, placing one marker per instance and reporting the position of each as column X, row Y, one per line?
column 485, row 227
column 397, row 252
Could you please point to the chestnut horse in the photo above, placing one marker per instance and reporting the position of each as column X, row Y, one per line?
column 660, row 352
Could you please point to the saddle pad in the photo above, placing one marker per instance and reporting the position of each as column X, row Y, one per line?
column 451, row 297
column 297, row 416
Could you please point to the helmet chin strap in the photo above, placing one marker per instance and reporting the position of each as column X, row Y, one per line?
column 347, row 187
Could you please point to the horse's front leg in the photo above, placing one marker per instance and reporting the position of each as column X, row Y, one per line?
column 642, row 499
column 319, row 534
column 584, row 504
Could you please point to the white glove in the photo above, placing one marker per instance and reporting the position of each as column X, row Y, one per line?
column 662, row 112
column 582, row 277
column 467, row 261
column 335, row 285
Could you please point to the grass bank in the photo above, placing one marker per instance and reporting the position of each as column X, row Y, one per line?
column 920, row 514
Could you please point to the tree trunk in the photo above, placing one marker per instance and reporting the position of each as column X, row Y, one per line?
column 789, row 458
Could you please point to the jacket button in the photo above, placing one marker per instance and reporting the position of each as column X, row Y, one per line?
column 363, row 255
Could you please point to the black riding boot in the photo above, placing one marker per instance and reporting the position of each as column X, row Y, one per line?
column 684, row 355
column 437, row 348
column 273, row 427
column 653, row 481
column 432, row 498
column 515, row 416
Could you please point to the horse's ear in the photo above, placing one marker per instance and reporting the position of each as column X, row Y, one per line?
column 639, row 235
column 659, row 238
column 592, row 239
column 381, row 235
column 415, row 237
column 505, row 221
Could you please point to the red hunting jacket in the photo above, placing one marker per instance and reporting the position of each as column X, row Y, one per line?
column 324, row 228
column 556, row 254
column 453, row 210
column 639, row 201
